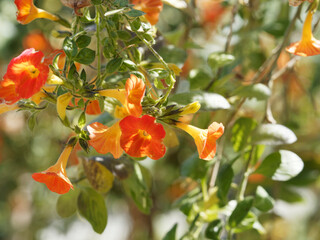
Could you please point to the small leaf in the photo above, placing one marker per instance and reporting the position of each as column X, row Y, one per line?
column 171, row 235
column 85, row 56
column 241, row 132
column 82, row 120
column 281, row 166
column 208, row 101
column 67, row 203
column 135, row 13
column 240, row 212
column 100, row 178
column 83, row 41
column 217, row 60
column 258, row 91
column 70, row 47
column 262, row 200
column 214, row 229
column 113, row 65
column 32, row 121
column 224, row 181
column 124, row 35
column 92, row 207
column 109, row 13
column 273, row 134
column 198, row 78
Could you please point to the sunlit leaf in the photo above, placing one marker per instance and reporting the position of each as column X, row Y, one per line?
column 258, row 91
column 262, row 200
column 240, row 212
column 241, row 132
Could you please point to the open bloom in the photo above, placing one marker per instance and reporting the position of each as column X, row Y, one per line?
column 205, row 139
column 152, row 8
column 28, row 72
column 27, row 12
column 308, row 45
column 106, row 139
column 142, row 137
column 55, row 177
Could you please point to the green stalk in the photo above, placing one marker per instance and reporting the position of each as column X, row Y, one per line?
column 97, row 21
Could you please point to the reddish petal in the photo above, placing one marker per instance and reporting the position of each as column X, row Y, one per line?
column 56, row 183
column 93, row 108
column 8, row 91
column 135, row 89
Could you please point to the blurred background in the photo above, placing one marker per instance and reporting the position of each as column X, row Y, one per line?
column 189, row 31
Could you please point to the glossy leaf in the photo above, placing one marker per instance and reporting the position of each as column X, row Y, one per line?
column 171, row 235
column 70, row 47
column 85, row 56
column 224, row 181
column 262, row 200
column 92, row 207
column 214, row 229
column 240, row 212
column 241, row 133
column 281, row 166
column 273, row 134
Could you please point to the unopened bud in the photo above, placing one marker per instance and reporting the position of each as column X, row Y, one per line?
column 191, row 108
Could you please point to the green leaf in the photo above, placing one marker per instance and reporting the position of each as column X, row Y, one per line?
column 194, row 167
column 67, row 203
column 198, row 78
column 135, row 13
column 70, row 47
column 32, row 120
column 258, row 91
column 109, row 13
column 217, row 60
column 113, row 65
column 172, row 54
column 171, row 235
column 131, row 66
column 85, row 56
column 224, row 181
column 290, row 195
column 92, row 207
column 214, row 229
column 100, row 178
column 262, row 200
column 273, row 134
column 208, row 101
column 137, row 186
column 82, row 120
column 83, row 41
column 96, row 2
column 281, row 166
column 241, row 132
column 240, row 212
column 124, row 35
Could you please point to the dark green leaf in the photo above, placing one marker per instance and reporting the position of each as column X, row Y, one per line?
column 171, row 235
column 208, row 101
column 96, row 2
column 194, row 167
column 124, row 35
column 241, row 132
column 281, row 166
column 92, row 207
column 113, row 65
column 273, row 134
column 83, row 41
column 70, row 47
column 290, row 195
column 217, row 60
column 67, row 203
column 240, row 212
column 224, row 181
column 214, row 229
column 262, row 200
column 135, row 13
column 85, row 56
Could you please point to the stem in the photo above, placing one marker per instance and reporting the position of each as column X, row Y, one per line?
column 97, row 21
column 244, row 181
column 204, row 188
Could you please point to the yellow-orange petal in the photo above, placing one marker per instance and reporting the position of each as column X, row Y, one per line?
column 135, row 89
column 105, row 139
column 152, row 8
column 205, row 139
column 6, row 108
column 62, row 103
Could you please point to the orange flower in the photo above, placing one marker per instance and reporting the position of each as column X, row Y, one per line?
column 152, row 8
column 55, row 177
column 93, row 108
column 27, row 12
column 8, row 93
column 28, row 72
column 37, row 41
column 107, row 139
column 308, row 45
column 211, row 11
column 142, row 137
column 205, row 139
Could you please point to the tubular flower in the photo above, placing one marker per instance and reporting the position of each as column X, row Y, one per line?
column 28, row 72
column 107, row 139
column 55, row 177
column 142, row 137
column 27, row 12
column 152, row 8
column 308, row 45
column 8, row 93
column 205, row 139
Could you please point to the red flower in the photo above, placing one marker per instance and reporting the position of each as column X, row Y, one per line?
column 107, row 139
column 55, row 177
column 28, row 72
column 27, row 12
column 205, row 139
column 152, row 8
column 142, row 137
